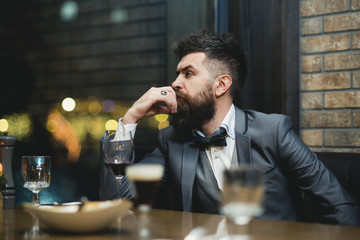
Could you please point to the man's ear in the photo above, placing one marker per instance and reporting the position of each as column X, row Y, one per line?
column 223, row 84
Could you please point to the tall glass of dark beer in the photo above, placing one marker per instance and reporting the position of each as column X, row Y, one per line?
column 145, row 178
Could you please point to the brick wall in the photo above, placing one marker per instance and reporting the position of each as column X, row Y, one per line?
column 330, row 74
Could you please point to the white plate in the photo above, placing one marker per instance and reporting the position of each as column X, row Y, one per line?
column 94, row 216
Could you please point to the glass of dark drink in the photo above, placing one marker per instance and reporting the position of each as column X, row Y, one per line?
column 145, row 178
column 118, row 153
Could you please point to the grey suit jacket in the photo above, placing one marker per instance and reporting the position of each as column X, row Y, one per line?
column 298, row 186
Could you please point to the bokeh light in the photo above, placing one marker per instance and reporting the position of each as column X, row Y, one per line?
column 66, row 134
column 111, row 124
column 97, row 127
column 94, row 107
column 119, row 15
column 108, row 105
column 68, row 104
column 19, row 125
column 4, row 125
column 163, row 120
column 161, row 117
column 69, row 11
column 52, row 125
column 164, row 124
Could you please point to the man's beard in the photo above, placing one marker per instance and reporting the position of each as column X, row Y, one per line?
column 193, row 112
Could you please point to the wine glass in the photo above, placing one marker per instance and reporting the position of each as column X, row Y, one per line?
column 35, row 172
column 242, row 194
column 109, row 134
column 145, row 178
column 118, row 154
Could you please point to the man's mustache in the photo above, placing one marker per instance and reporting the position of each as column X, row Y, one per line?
column 179, row 94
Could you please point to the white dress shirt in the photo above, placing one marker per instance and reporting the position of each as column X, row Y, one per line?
column 123, row 130
column 219, row 157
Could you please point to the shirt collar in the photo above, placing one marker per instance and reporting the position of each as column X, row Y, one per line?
column 228, row 123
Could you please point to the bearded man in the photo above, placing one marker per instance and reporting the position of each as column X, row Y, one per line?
column 211, row 72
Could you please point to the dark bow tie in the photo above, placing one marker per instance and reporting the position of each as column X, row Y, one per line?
column 217, row 139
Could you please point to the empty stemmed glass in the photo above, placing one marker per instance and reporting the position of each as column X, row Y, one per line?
column 118, row 153
column 35, row 172
column 242, row 194
column 145, row 178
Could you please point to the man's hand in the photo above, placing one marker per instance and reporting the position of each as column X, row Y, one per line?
column 153, row 102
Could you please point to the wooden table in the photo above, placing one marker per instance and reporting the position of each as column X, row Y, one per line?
column 17, row 224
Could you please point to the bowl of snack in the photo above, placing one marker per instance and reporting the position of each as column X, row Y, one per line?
column 89, row 216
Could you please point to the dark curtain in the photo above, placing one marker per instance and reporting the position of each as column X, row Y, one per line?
column 268, row 32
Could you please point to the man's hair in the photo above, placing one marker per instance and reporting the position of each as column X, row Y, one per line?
column 223, row 48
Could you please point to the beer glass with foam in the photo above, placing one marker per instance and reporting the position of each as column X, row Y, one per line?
column 145, row 178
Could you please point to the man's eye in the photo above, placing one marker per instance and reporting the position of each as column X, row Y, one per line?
column 188, row 74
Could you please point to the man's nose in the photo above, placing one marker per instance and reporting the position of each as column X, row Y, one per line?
column 177, row 83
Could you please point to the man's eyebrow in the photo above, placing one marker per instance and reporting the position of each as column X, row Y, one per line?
column 183, row 69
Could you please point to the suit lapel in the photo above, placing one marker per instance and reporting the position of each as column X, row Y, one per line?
column 190, row 158
column 242, row 140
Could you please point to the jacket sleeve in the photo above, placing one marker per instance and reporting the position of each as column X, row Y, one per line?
column 324, row 199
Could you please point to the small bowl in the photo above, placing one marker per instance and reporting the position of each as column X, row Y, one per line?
column 93, row 216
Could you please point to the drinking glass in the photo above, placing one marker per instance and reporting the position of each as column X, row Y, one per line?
column 118, row 154
column 145, row 178
column 35, row 172
column 242, row 194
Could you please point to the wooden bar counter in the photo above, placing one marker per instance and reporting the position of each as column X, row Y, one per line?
column 18, row 224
